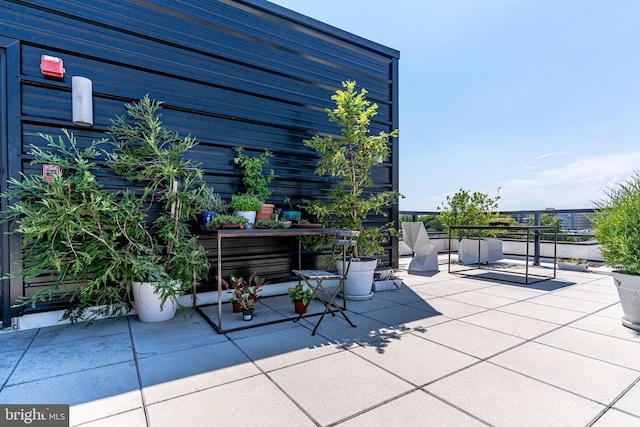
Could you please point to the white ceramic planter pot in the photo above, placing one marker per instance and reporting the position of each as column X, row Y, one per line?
column 386, row 285
column 250, row 215
column 629, row 293
column 359, row 279
column 572, row 266
column 148, row 303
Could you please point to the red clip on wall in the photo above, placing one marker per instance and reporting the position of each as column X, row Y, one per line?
column 51, row 66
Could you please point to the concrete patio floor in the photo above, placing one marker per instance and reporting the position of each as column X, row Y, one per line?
column 444, row 350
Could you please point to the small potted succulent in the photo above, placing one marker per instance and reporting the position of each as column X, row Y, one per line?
column 300, row 296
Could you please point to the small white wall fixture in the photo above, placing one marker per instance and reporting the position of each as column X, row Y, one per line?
column 425, row 253
column 82, row 101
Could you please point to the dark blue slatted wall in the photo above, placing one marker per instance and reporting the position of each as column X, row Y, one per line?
column 230, row 73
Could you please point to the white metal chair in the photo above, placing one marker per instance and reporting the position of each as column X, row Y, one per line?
column 425, row 253
column 345, row 242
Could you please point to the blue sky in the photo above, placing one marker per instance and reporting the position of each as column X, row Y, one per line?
column 538, row 97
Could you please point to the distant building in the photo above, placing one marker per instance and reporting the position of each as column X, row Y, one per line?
column 575, row 221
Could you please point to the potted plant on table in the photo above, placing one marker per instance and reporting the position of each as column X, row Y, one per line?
column 617, row 229
column 211, row 204
column 300, row 296
column 254, row 181
column 291, row 215
column 226, row 221
column 350, row 159
column 246, row 205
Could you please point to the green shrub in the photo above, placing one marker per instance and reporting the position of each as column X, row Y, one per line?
column 246, row 202
column 617, row 226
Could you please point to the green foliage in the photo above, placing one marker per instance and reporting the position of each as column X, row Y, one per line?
column 211, row 201
column 617, row 226
column 300, row 292
column 245, row 293
column 405, row 218
column 466, row 208
column 349, row 159
column 253, row 178
column 146, row 151
column 265, row 223
column 74, row 230
column 246, row 203
column 549, row 220
column 432, row 223
column 218, row 220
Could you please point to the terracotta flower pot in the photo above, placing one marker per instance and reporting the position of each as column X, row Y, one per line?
column 299, row 307
column 264, row 214
column 236, row 307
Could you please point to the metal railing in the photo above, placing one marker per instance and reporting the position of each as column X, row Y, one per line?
column 519, row 216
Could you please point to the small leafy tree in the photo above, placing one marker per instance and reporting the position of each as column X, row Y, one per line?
column 147, row 152
column 467, row 208
column 349, row 159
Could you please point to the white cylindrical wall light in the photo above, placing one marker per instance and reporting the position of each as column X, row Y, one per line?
column 82, row 101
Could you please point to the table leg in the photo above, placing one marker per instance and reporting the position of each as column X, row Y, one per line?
column 219, row 272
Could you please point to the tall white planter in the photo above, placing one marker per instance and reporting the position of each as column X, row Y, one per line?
column 629, row 293
column 148, row 303
column 250, row 215
column 359, row 279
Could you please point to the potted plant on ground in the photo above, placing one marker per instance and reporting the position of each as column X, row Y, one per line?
column 572, row 264
column 350, row 159
column 73, row 231
column 472, row 208
column 167, row 260
column 254, row 181
column 246, row 205
column 617, row 228
column 245, row 293
column 300, row 296
column 386, row 282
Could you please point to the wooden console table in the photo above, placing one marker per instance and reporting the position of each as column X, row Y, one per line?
column 251, row 233
column 535, row 230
